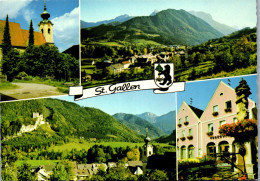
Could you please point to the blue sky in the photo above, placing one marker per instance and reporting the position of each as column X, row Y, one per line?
column 238, row 13
column 64, row 15
column 135, row 102
column 202, row 91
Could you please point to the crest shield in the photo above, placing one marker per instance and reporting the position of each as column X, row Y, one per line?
column 163, row 74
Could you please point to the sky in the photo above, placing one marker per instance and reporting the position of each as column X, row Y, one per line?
column 64, row 16
column 202, row 91
column 136, row 102
column 238, row 13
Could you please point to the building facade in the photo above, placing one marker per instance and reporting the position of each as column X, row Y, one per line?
column 197, row 131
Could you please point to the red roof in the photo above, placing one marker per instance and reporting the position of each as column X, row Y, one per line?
column 19, row 37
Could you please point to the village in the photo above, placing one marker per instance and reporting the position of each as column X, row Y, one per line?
column 99, row 69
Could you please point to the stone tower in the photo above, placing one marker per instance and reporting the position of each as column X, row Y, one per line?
column 148, row 148
column 46, row 26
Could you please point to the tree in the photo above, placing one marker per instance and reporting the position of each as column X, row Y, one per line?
column 6, row 45
column 25, row 173
column 11, row 64
column 158, row 175
column 31, row 34
column 62, row 171
column 242, row 92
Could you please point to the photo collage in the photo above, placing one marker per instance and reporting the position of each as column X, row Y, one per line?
column 128, row 90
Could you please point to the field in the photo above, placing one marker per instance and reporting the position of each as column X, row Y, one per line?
column 86, row 145
column 36, row 163
column 7, row 86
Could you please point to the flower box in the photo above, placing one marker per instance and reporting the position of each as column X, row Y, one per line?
column 190, row 137
column 182, row 138
column 228, row 110
column 179, row 125
column 186, row 123
column 241, row 130
column 215, row 113
column 210, row 133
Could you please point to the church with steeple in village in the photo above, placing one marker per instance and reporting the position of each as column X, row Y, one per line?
column 20, row 37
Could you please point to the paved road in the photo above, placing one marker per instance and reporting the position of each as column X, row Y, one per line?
column 29, row 90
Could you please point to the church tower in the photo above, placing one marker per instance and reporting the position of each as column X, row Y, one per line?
column 46, row 26
column 148, row 148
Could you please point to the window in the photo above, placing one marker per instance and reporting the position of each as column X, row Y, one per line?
column 234, row 120
column 215, row 108
column 210, row 127
column 183, row 133
column 187, row 119
column 222, row 122
column 42, row 31
column 49, row 30
column 180, row 121
column 221, row 94
column 190, row 132
column 228, row 105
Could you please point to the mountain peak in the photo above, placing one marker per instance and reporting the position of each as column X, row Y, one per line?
column 154, row 12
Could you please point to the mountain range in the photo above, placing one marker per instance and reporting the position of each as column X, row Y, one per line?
column 166, row 27
column 139, row 125
column 225, row 29
column 119, row 19
column 165, row 122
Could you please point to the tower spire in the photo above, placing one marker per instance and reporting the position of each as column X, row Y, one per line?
column 45, row 6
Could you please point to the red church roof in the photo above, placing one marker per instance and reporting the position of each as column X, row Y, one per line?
column 19, row 37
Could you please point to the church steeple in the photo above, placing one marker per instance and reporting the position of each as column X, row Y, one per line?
column 45, row 15
column 148, row 148
column 46, row 26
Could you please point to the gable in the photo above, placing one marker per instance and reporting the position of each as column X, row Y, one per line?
column 184, row 111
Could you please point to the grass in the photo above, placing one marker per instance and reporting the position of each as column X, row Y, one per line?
column 7, row 86
column 36, row 163
column 86, row 145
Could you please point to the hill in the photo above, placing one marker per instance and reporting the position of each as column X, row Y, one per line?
column 225, row 29
column 65, row 120
column 119, row 19
column 167, row 139
column 166, row 27
column 139, row 125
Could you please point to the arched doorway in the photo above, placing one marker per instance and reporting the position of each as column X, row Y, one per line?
column 191, row 151
column 211, row 150
column 183, row 152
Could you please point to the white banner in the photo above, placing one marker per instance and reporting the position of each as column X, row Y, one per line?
column 81, row 93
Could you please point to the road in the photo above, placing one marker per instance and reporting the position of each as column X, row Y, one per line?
column 29, row 90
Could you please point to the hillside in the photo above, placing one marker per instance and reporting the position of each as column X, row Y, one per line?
column 139, row 125
column 167, row 139
column 166, row 27
column 66, row 119
column 225, row 29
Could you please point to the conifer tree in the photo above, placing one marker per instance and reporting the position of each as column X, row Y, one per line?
column 6, row 45
column 31, row 35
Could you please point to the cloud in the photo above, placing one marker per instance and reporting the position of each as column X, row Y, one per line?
column 12, row 7
column 28, row 15
column 66, row 29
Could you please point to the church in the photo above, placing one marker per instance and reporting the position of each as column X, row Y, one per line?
column 20, row 37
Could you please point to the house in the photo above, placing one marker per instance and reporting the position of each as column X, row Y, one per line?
column 135, row 167
column 117, row 68
column 197, row 131
column 20, row 37
column 126, row 64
